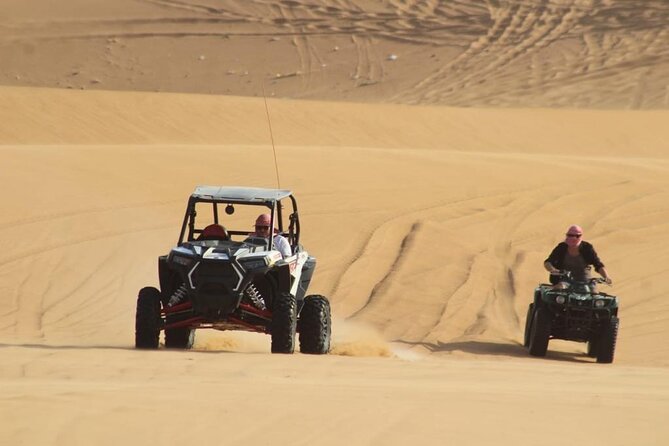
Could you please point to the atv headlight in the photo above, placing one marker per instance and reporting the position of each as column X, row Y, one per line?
column 599, row 303
column 560, row 300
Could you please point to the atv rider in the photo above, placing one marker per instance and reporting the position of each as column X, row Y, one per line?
column 575, row 255
column 262, row 230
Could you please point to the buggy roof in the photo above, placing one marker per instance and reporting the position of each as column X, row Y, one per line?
column 240, row 194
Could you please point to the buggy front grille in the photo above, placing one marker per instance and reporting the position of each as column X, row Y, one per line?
column 216, row 275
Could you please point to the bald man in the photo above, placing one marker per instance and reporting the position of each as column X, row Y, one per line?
column 575, row 255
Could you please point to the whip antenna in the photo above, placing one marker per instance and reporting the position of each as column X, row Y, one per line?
column 271, row 135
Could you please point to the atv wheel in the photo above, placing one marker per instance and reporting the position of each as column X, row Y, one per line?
column 540, row 332
column 315, row 325
column 147, row 318
column 607, row 341
column 592, row 346
column 528, row 325
column 182, row 338
column 284, row 323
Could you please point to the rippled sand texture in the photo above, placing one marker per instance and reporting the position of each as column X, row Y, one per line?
column 539, row 53
column 430, row 190
column 429, row 242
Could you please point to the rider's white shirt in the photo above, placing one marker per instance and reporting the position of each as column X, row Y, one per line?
column 281, row 244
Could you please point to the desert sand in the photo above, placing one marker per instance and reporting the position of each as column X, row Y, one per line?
column 431, row 189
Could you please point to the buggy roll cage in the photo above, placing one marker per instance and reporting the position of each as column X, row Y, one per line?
column 273, row 204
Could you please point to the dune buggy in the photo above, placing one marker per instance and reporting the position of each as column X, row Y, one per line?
column 575, row 311
column 228, row 279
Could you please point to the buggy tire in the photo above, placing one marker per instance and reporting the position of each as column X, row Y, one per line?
column 284, row 323
column 528, row 325
column 180, row 338
column 315, row 325
column 607, row 341
column 147, row 318
column 540, row 332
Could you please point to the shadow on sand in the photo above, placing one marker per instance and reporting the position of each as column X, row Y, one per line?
column 162, row 348
column 511, row 349
column 67, row 347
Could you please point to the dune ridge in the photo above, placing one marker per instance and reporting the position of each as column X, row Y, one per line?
column 53, row 116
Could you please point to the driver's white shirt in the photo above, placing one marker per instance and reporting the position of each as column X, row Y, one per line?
column 281, row 244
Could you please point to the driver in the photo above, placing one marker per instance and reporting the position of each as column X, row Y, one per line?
column 575, row 255
column 262, row 230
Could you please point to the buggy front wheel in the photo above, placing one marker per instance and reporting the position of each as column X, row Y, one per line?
column 284, row 323
column 147, row 318
column 315, row 325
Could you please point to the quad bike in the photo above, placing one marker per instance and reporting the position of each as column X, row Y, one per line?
column 210, row 280
column 574, row 311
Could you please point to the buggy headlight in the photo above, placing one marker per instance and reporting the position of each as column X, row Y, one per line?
column 253, row 263
column 599, row 303
column 560, row 299
column 181, row 260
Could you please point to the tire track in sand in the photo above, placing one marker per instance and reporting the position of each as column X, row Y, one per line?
column 381, row 285
column 530, row 30
column 501, row 19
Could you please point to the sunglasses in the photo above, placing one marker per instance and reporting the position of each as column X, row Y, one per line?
column 263, row 228
column 574, row 235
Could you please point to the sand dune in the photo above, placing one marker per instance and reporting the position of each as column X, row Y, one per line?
column 429, row 253
column 430, row 222
column 540, row 53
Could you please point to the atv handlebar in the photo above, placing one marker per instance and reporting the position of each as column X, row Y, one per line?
column 566, row 276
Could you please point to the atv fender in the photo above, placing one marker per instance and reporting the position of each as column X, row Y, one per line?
column 537, row 296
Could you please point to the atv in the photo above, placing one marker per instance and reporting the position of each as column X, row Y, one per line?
column 231, row 280
column 575, row 311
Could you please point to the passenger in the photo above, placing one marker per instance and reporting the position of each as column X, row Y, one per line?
column 575, row 255
column 262, row 230
column 214, row 232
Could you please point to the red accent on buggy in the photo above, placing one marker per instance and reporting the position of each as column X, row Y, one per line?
column 233, row 319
